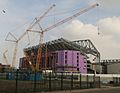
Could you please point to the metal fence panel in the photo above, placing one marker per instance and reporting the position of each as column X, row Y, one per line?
column 27, row 82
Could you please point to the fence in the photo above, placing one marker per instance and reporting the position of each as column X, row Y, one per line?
column 31, row 82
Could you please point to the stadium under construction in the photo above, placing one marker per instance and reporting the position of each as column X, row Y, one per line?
column 61, row 55
column 58, row 64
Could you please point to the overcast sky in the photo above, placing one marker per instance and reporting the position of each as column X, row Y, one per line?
column 105, row 19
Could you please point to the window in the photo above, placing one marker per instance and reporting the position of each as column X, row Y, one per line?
column 77, row 69
column 65, row 56
column 77, row 61
column 65, row 61
column 88, row 65
column 77, row 64
column 77, row 53
column 77, row 57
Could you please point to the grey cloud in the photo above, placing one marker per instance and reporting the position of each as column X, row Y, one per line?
column 107, row 42
column 109, row 4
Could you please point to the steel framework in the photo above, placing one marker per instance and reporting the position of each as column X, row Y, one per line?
column 88, row 47
column 84, row 46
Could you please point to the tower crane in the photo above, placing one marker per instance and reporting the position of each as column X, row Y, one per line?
column 16, row 41
column 16, row 44
column 38, row 61
column 25, row 33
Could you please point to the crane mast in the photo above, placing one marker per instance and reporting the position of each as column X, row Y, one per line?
column 14, row 55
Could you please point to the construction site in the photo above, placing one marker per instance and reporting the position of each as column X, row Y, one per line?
column 59, row 64
column 57, row 55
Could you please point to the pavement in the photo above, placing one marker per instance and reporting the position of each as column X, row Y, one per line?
column 95, row 90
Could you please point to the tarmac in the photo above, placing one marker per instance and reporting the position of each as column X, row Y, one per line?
column 95, row 90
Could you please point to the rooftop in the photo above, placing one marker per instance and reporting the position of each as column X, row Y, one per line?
column 84, row 46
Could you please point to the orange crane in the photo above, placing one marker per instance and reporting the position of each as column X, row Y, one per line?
column 25, row 33
column 38, row 61
column 36, row 21
column 30, row 63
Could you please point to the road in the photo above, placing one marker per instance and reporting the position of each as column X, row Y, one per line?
column 97, row 90
column 101, row 90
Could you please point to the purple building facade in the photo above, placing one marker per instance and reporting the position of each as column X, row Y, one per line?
column 60, row 61
column 71, row 61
